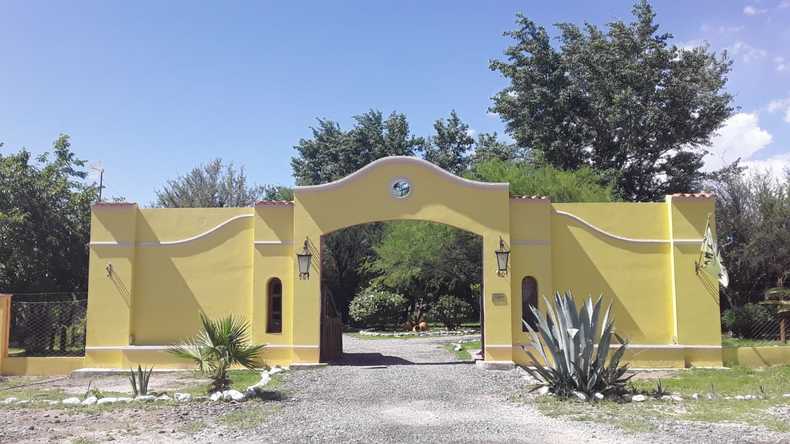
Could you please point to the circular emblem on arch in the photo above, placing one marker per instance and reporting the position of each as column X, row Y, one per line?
column 400, row 188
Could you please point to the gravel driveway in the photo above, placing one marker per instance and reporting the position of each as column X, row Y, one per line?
column 382, row 391
column 415, row 391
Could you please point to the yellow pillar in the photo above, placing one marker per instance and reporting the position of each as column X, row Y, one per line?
column 5, row 327
column 497, row 302
column 697, row 324
column 110, row 281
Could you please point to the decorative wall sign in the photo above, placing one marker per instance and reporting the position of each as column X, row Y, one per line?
column 400, row 188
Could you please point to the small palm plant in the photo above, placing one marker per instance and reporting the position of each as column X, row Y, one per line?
column 219, row 345
column 573, row 347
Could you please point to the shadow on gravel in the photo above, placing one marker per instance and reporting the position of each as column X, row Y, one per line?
column 270, row 395
column 378, row 360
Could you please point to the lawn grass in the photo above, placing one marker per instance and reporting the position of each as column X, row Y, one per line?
column 240, row 380
column 33, row 392
column 388, row 336
column 248, row 417
column 740, row 342
column 643, row 417
column 466, row 348
column 725, row 382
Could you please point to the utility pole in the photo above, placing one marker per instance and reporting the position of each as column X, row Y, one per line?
column 101, row 182
column 98, row 167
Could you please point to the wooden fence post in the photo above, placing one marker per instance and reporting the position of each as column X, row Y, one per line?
column 5, row 327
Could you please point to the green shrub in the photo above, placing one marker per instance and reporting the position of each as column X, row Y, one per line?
column 375, row 307
column 451, row 311
column 746, row 321
column 573, row 353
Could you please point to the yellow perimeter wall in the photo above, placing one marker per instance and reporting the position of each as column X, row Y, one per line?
column 152, row 271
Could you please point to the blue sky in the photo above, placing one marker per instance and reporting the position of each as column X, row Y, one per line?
column 151, row 89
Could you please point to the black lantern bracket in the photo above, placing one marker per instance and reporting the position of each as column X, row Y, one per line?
column 502, row 258
column 304, row 259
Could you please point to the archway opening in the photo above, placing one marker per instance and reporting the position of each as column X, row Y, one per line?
column 392, row 288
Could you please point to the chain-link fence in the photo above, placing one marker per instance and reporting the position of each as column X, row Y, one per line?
column 757, row 322
column 48, row 324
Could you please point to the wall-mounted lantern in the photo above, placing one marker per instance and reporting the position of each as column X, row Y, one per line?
column 502, row 256
column 303, row 259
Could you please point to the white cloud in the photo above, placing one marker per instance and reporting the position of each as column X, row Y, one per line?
column 746, row 52
column 691, row 44
column 781, row 64
column 471, row 132
column 782, row 105
column 740, row 137
column 776, row 165
column 722, row 29
column 492, row 115
column 784, row 4
column 753, row 10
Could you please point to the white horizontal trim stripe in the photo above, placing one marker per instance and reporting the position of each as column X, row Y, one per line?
column 656, row 346
column 166, row 347
column 395, row 160
column 111, row 244
column 624, row 238
column 170, row 243
column 273, row 242
column 530, row 242
column 499, row 346
column 198, row 236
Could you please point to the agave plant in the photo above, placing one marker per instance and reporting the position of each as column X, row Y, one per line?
column 219, row 345
column 574, row 346
column 140, row 380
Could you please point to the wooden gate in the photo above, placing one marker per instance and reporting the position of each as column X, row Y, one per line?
column 331, row 328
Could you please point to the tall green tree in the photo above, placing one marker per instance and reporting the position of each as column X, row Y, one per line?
column 44, row 221
column 425, row 260
column 753, row 224
column 527, row 179
column 451, row 146
column 622, row 100
column 489, row 147
column 216, row 184
column 332, row 153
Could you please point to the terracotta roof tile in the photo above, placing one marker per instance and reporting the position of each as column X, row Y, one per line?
column 530, row 198
column 274, row 203
column 693, row 195
column 114, row 204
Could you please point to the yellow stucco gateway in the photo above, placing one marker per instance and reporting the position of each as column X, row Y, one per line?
column 152, row 270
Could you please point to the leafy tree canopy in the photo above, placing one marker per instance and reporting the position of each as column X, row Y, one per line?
column 423, row 260
column 332, row 153
column 753, row 224
column 450, row 148
column 44, row 221
column 216, row 184
column 624, row 101
column 526, row 179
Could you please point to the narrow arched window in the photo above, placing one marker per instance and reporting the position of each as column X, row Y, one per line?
column 274, row 307
column 529, row 298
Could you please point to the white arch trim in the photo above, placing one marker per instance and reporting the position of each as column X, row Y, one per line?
column 404, row 160
column 624, row 238
column 173, row 242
